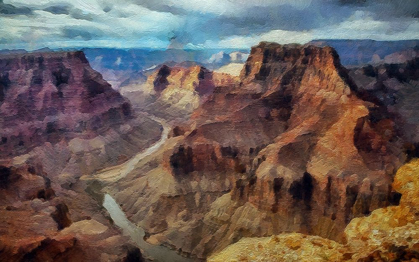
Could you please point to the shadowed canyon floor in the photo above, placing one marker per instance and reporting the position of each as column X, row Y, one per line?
column 114, row 173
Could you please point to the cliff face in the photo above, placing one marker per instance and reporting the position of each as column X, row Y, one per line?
column 290, row 148
column 60, row 120
column 388, row 234
column 43, row 95
column 195, row 78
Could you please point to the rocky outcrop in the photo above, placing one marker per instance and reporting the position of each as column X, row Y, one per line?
column 196, row 78
column 388, row 234
column 292, row 148
column 43, row 95
column 177, row 90
column 39, row 224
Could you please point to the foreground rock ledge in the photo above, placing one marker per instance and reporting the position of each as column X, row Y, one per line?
column 388, row 234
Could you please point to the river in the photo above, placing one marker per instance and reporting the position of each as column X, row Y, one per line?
column 115, row 173
column 155, row 252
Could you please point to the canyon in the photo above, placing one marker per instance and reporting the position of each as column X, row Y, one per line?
column 294, row 146
column 297, row 153
column 59, row 121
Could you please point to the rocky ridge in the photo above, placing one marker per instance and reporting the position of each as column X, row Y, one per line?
column 393, row 86
column 41, row 224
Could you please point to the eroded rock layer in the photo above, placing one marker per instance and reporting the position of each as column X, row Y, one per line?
column 176, row 90
column 60, row 120
column 292, row 148
column 395, row 87
column 41, row 222
column 388, row 234
column 45, row 95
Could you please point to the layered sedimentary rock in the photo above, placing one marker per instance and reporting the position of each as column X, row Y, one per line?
column 60, row 120
column 177, row 90
column 292, row 148
column 388, row 234
column 55, row 104
column 43, row 95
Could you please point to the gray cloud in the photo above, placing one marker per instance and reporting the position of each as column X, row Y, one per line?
column 352, row 2
column 8, row 9
column 79, row 14
column 161, row 6
column 283, row 15
column 386, row 9
column 59, row 9
column 82, row 33
column 177, row 23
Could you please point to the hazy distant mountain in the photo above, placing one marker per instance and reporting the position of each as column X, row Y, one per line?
column 121, row 66
column 16, row 51
column 360, row 52
column 139, row 59
column 222, row 58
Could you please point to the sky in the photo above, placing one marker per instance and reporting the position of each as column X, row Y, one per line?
column 200, row 24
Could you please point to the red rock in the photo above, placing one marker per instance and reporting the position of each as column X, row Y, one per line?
column 293, row 142
column 46, row 94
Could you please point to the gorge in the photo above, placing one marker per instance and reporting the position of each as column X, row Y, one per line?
column 194, row 165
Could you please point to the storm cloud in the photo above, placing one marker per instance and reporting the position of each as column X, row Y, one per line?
column 201, row 24
column 7, row 9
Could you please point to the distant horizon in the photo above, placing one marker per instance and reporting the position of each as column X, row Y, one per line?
column 81, row 48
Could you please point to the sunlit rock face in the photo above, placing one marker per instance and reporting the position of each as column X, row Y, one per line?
column 387, row 234
column 178, row 90
column 43, row 95
column 175, row 90
column 292, row 148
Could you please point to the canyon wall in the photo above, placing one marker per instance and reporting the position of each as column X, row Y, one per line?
column 293, row 147
column 59, row 120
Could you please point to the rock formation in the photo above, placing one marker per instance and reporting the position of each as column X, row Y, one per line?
column 292, row 148
column 388, row 234
column 39, row 223
column 294, row 144
column 60, row 120
column 177, row 90
column 45, row 94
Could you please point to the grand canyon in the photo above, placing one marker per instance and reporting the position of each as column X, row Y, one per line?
column 236, row 148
